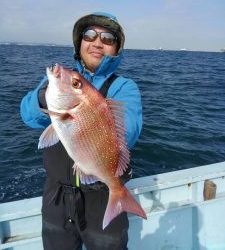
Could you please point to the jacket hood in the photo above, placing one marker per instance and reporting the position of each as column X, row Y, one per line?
column 101, row 19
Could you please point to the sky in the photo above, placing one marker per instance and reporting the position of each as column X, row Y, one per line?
column 148, row 24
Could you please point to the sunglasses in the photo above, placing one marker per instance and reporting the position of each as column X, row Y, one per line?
column 91, row 35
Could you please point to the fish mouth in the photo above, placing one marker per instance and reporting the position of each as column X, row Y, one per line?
column 55, row 70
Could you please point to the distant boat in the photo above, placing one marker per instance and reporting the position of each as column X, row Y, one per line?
column 223, row 50
column 183, row 49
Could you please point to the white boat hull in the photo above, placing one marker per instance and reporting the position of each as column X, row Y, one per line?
column 178, row 216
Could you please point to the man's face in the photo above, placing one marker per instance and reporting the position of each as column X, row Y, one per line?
column 92, row 52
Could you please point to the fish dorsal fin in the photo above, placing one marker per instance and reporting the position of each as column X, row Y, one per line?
column 117, row 109
column 48, row 138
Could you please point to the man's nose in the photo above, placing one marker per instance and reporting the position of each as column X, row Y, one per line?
column 97, row 42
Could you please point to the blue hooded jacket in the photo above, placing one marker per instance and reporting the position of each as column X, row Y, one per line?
column 122, row 89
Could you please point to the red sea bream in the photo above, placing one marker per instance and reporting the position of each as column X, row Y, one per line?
column 91, row 128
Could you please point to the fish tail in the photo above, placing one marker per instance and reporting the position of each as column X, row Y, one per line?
column 120, row 202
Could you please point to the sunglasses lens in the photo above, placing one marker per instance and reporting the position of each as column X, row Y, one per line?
column 106, row 37
column 90, row 35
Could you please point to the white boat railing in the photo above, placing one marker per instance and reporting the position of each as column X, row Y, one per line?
column 179, row 216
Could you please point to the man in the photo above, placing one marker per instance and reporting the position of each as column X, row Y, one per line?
column 73, row 213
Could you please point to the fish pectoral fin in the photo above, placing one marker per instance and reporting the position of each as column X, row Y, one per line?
column 72, row 113
column 84, row 178
column 50, row 112
column 48, row 138
column 63, row 116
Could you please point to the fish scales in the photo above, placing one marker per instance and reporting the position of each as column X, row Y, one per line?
column 95, row 135
column 103, row 140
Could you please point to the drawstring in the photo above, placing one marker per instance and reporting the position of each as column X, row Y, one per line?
column 77, row 181
column 57, row 195
column 78, row 199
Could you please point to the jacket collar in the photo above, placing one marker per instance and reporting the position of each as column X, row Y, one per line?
column 107, row 66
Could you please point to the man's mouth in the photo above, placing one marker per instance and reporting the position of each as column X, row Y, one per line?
column 96, row 54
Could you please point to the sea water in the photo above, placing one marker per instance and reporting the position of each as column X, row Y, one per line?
column 183, row 97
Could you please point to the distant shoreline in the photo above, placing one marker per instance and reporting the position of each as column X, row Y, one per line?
column 71, row 46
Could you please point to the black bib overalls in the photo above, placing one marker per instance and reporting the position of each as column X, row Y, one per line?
column 72, row 216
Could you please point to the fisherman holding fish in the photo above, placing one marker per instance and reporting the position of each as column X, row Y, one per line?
column 91, row 117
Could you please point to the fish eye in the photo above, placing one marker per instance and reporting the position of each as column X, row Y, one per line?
column 76, row 83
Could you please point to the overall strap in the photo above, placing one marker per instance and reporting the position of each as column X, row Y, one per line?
column 106, row 85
